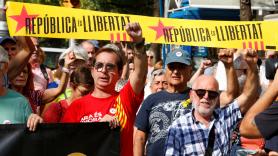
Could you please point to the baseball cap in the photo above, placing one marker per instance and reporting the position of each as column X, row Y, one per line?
column 4, row 57
column 179, row 56
column 7, row 39
column 79, row 52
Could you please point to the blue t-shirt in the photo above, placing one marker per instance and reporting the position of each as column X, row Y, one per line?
column 156, row 114
column 14, row 108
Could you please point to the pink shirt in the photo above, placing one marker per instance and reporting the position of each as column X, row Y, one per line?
column 40, row 83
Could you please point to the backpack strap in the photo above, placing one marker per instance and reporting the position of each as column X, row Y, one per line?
column 44, row 72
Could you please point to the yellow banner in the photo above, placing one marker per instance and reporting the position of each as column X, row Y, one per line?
column 58, row 22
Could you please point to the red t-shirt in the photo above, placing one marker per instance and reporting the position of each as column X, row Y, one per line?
column 124, row 105
column 55, row 112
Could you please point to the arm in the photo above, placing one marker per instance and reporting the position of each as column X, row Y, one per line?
column 17, row 64
column 137, row 78
column 51, row 94
column 248, row 127
column 204, row 65
column 125, row 73
column 140, row 139
column 250, row 90
column 226, row 56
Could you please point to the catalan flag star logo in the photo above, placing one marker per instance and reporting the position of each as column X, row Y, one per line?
column 159, row 29
column 21, row 18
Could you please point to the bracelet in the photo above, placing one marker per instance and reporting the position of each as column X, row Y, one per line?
column 66, row 70
column 140, row 45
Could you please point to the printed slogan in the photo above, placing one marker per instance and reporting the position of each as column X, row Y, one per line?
column 26, row 19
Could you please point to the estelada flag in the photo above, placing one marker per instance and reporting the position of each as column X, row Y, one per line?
column 82, row 139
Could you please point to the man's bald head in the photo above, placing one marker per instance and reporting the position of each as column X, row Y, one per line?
column 205, row 82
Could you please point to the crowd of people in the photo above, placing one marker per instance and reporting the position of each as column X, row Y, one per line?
column 168, row 108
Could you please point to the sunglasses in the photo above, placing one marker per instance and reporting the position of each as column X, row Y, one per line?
column 151, row 57
column 109, row 66
column 176, row 65
column 202, row 92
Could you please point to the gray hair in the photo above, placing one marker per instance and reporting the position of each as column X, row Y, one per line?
column 80, row 53
column 156, row 72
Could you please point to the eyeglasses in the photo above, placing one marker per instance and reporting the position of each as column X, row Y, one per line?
column 10, row 49
column 109, row 66
column 211, row 94
column 151, row 57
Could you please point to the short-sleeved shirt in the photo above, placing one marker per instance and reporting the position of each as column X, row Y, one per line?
column 157, row 113
column 124, row 105
column 187, row 136
column 267, row 123
column 14, row 108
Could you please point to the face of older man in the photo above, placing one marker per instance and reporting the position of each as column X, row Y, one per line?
column 204, row 95
column 178, row 74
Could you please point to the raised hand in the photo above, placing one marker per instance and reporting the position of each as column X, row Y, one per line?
column 69, row 58
column 250, row 56
column 226, row 56
column 124, row 48
column 134, row 31
column 205, row 64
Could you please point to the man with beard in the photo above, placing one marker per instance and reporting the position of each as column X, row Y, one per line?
column 160, row 109
column 206, row 130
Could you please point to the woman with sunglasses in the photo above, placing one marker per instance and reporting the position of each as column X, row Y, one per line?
column 81, row 83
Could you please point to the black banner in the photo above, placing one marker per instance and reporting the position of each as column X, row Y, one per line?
column 84, row 139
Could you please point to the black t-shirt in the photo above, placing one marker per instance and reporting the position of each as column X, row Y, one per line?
column 267, row 123
column 155, row 116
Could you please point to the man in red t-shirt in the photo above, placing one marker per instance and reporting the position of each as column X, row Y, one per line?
column 105, row 104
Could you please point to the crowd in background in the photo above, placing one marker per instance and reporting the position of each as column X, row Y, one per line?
column 163, row 108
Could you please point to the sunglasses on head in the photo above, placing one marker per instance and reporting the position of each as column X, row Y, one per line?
column 109, row 66
column 202, row 92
